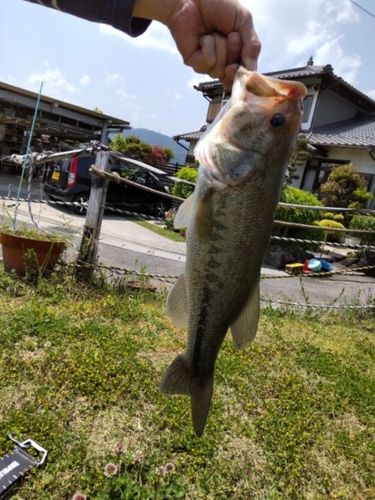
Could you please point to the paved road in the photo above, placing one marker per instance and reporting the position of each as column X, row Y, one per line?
column 124, row 243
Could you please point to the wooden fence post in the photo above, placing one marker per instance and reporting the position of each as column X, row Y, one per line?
column 95, row 209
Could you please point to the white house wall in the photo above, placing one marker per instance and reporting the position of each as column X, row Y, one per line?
column 360, row 158
column 332, row 108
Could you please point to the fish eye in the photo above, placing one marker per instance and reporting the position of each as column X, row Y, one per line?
column 278, row 120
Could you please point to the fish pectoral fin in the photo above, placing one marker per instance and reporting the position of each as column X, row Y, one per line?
column 177, row 303
column 245, row 327
column 184, row 213
column 177, row 378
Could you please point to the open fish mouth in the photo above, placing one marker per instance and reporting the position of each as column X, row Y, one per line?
column 266, row 86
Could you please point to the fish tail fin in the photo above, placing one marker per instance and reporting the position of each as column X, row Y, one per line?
column 178, row 380
column 201, row 395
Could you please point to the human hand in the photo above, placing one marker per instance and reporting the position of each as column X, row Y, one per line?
column 213, row 36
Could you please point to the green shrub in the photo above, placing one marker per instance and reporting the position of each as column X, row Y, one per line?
column 297, row 196
column 328, row 215
column 366, row 223
column 180, row 188
column 344, row 188
column 338, row 218
column 332, row 235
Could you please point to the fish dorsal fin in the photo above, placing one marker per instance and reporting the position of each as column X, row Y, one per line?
column 177, row 303
column 184, row 213
column 245, row 327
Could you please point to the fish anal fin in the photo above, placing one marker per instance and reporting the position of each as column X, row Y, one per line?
column 245, row 327
column 184, row 213
column 177, row 378
column 201, row 396
column 177, row 303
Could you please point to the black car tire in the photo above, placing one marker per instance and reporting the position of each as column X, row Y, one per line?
column 81, row 207
column 159, row 208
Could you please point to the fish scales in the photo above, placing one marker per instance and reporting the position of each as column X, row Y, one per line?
column 242, row 157
column 219, row 291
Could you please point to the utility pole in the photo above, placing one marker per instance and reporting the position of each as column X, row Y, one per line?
column 95, row 210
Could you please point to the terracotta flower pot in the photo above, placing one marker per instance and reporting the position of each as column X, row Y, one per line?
column 16, row 248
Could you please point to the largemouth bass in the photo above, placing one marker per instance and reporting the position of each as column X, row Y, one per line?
column 243, row 157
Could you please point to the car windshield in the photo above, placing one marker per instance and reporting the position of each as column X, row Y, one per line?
column 135, row 174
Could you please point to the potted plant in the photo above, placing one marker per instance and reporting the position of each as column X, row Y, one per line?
column 25, row 248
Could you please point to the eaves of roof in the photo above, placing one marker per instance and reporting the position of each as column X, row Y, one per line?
column 112, row 121
column 325, row 73
column 189, row 136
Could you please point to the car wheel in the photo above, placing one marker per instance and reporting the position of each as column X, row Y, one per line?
column 159, row 208
column 80, row 206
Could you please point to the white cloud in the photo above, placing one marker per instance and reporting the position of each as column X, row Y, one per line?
column 124, row 97
column 156, row 37
column 346, row 66
column 54, row 83
column 197, row 79
column 134, row 111
column 85, row 80
column 174, row 95
column 291, row 34
column 8, row 79
column 114, row 78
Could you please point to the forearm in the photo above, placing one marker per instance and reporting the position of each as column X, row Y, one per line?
column 158, row 10
column 117, row 13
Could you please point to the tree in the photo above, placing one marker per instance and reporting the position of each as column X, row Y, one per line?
column 301, row 152
column 131, row 146
column 344, row 188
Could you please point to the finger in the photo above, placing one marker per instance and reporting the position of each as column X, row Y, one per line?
column 218, row 70
column 250, row 43
column 233, row 48
column 203, row 59
column 230, row 72
column 250, row 52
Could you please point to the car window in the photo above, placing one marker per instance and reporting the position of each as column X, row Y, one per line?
column 62, row 165
column 85, row 163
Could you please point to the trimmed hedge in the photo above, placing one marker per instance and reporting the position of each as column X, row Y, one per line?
column 367, row 223
column 180, row 188
column 332, row 235
column 294, row 195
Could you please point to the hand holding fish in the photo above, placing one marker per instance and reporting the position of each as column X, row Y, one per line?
column 213, row 36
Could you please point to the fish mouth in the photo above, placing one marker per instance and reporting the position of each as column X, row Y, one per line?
column 266, row 86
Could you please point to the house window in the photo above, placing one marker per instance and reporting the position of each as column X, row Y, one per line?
column 307, row 105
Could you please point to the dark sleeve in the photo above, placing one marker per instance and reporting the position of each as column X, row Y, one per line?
column 117, row 13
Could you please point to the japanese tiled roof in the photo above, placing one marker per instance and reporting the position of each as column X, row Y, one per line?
column 350, row 133
column 190, row 136
column 303, row 72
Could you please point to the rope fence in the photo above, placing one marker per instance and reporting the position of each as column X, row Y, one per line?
column 170, row 279
column 147, row 217
column 35, row 158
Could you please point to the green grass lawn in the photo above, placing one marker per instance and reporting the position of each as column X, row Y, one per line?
column 292, row 416
column 167, row 233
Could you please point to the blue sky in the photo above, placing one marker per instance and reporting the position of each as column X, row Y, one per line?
column 144, row 81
